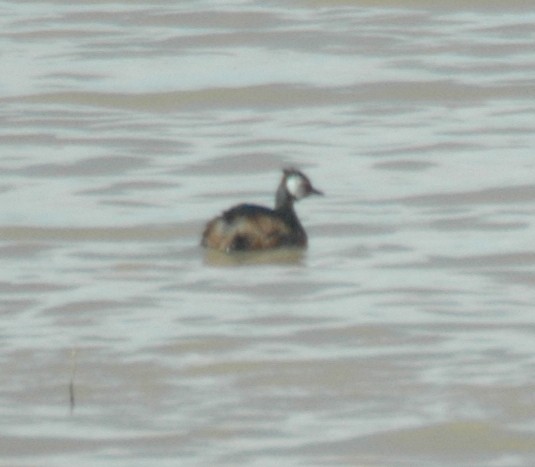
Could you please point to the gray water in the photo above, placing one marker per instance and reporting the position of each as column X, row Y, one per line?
column 404, row 335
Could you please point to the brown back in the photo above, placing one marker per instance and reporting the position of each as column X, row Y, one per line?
column 255, row 232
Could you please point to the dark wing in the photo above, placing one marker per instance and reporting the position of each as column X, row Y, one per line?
column 246, row 210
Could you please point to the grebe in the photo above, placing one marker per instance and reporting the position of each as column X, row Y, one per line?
column 248, row 227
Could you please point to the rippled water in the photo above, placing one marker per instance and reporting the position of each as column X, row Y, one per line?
column 405, row 335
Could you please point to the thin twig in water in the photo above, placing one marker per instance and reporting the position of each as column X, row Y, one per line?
column 71, row 383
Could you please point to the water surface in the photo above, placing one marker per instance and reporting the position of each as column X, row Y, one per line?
column 404, row 335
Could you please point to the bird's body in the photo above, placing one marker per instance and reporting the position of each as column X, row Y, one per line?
column 248, row 227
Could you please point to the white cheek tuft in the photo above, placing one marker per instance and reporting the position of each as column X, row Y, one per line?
column 295, row 186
